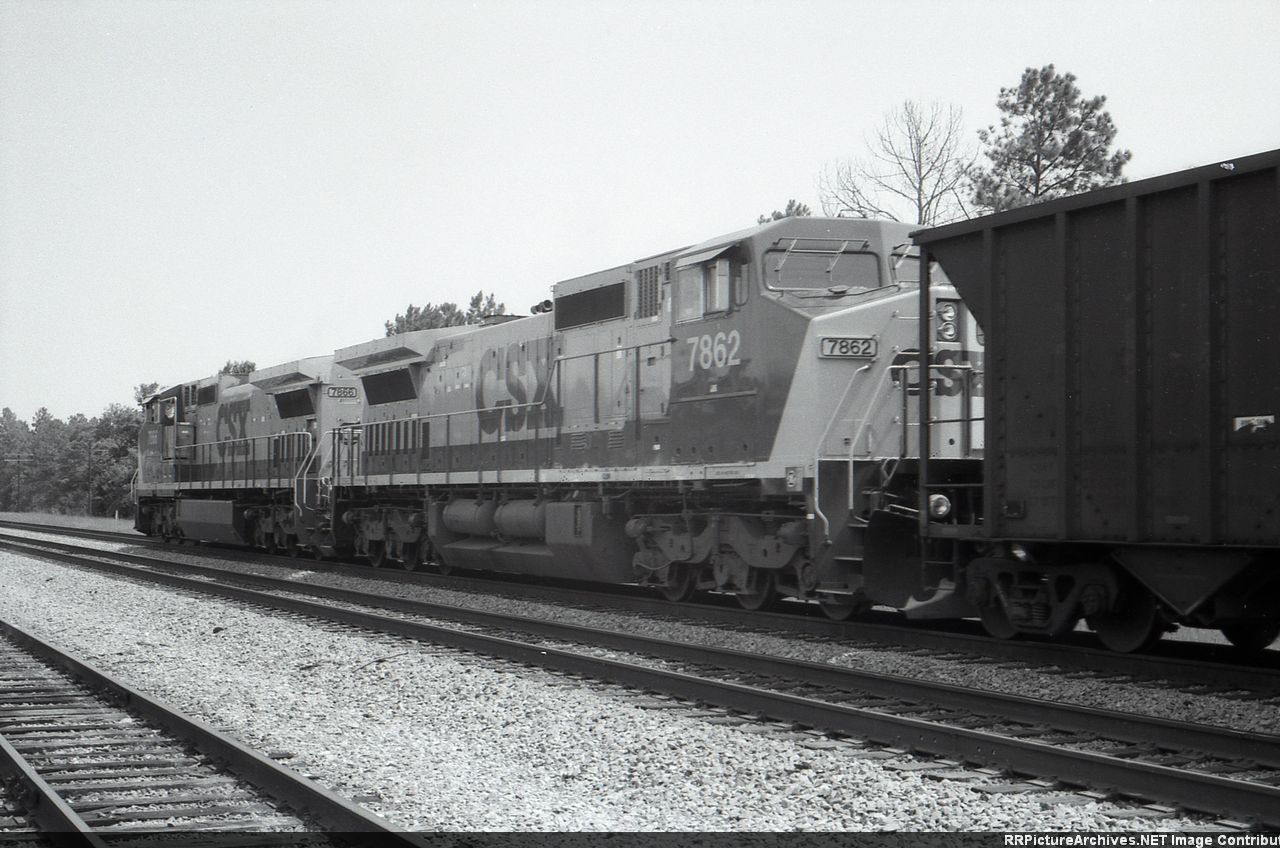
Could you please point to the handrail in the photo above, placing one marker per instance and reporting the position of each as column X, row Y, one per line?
column 540, row 402
column 203, row 453
column 884, row 382
column 817, row 454
column 307, row 460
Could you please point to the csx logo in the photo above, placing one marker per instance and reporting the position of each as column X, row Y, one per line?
column 947, row 381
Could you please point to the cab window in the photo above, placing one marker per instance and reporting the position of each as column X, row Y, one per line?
column 703, row 289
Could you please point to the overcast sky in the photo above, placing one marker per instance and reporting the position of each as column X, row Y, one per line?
column 183, row 183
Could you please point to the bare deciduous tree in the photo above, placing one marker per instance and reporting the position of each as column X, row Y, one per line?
column 913, row 171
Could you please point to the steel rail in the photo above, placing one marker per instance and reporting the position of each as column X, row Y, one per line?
column 325, row 807
column 1224, row 742
column 44, row 807
column 1174, row 664
column 1191, row 790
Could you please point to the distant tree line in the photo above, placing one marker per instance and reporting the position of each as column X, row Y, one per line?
column 79, row 466
column 434, row 316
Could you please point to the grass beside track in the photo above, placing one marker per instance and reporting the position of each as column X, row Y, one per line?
column 80, row 522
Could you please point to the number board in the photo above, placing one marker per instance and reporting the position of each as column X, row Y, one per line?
column 343, row 394
column 847, row 347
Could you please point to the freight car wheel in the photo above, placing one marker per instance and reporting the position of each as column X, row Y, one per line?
column 682, row 582
column 1134, row 624
column 841, row 607
column 1251, row 636
column 760, row 592
column 995, row 620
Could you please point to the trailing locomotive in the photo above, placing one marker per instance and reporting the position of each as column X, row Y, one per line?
column 1089, row 434
column 730, row 416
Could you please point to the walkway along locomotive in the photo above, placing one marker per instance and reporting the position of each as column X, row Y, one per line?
column 748, row 415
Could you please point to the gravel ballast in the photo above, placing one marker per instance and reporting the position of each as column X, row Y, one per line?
column 1146, row 698
column 438, row 740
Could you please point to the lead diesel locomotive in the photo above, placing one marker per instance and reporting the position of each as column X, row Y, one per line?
column 734, row 416
column 808, row 409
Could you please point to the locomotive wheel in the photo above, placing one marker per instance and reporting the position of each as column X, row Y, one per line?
column 409, row 556
column 392, row 550
column 1251, row 636
column 995, row 620
column 424, row 555
column 1133, row 625
column 280, row 540
column 760, row 594
column 682, row 582
column 295, row 550
column 377, row 553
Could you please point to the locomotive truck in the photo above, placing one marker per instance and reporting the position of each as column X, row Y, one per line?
column 1060, row 413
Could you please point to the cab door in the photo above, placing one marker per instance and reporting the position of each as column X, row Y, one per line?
column 714, row 396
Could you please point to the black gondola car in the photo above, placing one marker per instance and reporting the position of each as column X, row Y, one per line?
column 1131, row 400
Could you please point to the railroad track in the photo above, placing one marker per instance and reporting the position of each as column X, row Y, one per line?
column 1199, row 768
column 1194, row 668
column 83, row 753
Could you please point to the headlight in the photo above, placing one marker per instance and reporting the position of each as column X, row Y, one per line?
column 947, row 331
column 939, row 506
column 946, row 310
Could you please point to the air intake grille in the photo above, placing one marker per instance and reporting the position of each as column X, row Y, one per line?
column 648, row 291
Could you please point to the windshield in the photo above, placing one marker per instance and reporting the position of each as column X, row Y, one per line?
column 804, row 267
column 906, row 268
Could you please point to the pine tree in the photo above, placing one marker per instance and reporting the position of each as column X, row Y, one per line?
column 1051, row 142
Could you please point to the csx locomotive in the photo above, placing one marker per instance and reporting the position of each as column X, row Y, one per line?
column 808, row 409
